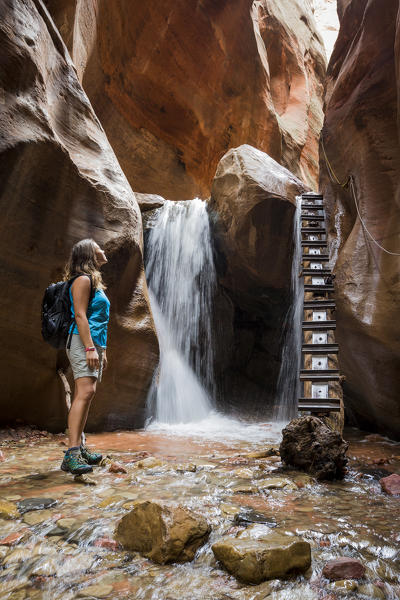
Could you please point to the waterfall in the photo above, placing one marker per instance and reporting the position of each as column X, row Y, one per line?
column 288, row 387
column 181, row 277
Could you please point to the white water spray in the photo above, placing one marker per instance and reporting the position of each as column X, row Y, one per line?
column 181, row 276
column 288, row 386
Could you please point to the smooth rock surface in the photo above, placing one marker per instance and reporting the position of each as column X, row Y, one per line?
column 61, row 182
column 8, row 510
column 252, row 209
column 391, row 484
column 343, row 568
column 308, row 444
column 363, row 78
column 258, row 554
column 163, row 533
column 175, row 90
column 29, row 504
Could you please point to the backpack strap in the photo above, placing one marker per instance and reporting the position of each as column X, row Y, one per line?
column 91, row 296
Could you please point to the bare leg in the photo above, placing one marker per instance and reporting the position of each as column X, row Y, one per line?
column 85, row 389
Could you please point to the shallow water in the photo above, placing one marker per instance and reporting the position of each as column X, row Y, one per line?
column 349, row 518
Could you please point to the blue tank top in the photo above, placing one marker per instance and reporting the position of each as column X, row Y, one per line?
column 98, row 315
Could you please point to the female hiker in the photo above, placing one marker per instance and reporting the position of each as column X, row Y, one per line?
column 86, row 346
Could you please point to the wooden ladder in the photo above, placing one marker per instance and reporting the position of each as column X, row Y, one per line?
column 319, row 375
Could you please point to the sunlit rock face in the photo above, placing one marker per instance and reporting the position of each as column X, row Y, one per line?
column 176, row 84
column 361, row 138
column 252, row 209
column 326, row 17
column 60, row 182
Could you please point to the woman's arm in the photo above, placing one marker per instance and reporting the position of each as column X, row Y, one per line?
column 81, row 293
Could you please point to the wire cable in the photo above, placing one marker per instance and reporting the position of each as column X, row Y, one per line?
column 350, row 183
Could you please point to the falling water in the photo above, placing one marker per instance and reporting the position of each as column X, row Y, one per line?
column 181, row 276
column 288, row 381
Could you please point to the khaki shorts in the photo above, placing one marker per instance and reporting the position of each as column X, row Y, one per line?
column 77, row 358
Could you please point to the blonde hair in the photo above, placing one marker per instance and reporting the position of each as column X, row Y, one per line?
column 82, row 261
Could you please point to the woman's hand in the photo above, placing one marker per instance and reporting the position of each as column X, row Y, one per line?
column 105, row 362
column 92, row 359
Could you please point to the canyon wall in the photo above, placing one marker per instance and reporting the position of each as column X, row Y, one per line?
column 361, row 138
column 176, row 84
column 60, row 182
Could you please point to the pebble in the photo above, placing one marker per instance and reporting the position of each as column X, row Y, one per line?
column 30, row 504
column 391, row 484
column 66, row 523
column 343, row 568
column 13, row 538
column 276, row 483
column 372, row 591
column 344, row 585
column 111, row 501
column 36, row 517
column 8, row 510
column 98, row 591
column 116, row 467
column 108, row 543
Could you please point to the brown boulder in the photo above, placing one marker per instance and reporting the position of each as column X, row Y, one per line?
column 391, row 484
column 343, row 568
column 363, row 78
column 60, row 182
column 174, row 90
column 162, row 533
column 308, row 444
column 252, row 209
column 257, row 554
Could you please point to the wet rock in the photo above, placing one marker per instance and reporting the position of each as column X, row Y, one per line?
column 38, row 516
column 189, row 468
column 256, row 555
column 66, row 523
column 57, row 531
column 343, row 568
column 85, row 480
column 247, row 517
column 264, row 453
column 116, row 467
column 100, row 590
column 244, row 489
column 391, row 484
column 276, row 483
column 344, row 586
column 8, row 510
column 111, row 501
column 110, row 544
column 30, row 504
column 149, row 463
column 75, row 564
column 372, row 591
column 13, row 538
column 308, row 444
column 163, row 533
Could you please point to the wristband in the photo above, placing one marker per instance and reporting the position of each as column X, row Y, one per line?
column 90, row 349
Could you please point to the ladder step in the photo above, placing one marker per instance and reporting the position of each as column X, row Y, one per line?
column 308, row 325
column 313, row 230
column 319, row 304
column 312, row 195
column 316, row 257
column 320, row 348
column 305, row 206
column 317, row 271
column 318, row 288
column 312, row 217
column 318, row 408
column 317, row 243
column 334, row 377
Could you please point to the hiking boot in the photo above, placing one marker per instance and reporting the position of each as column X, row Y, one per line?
column 92, row 458
column 74, row 463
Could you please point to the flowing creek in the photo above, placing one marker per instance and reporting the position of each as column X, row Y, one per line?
column 207, row 468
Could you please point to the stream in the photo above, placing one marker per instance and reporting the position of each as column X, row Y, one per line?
column 67, row 551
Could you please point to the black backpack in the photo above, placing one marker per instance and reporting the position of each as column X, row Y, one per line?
column 56, row 312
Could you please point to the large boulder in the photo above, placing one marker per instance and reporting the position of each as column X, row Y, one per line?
column 252, row 208
column 162, row 533
column 175, row 90
column 257, row 554
column 361, row 138
column 61, row 182
column 310, row 445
